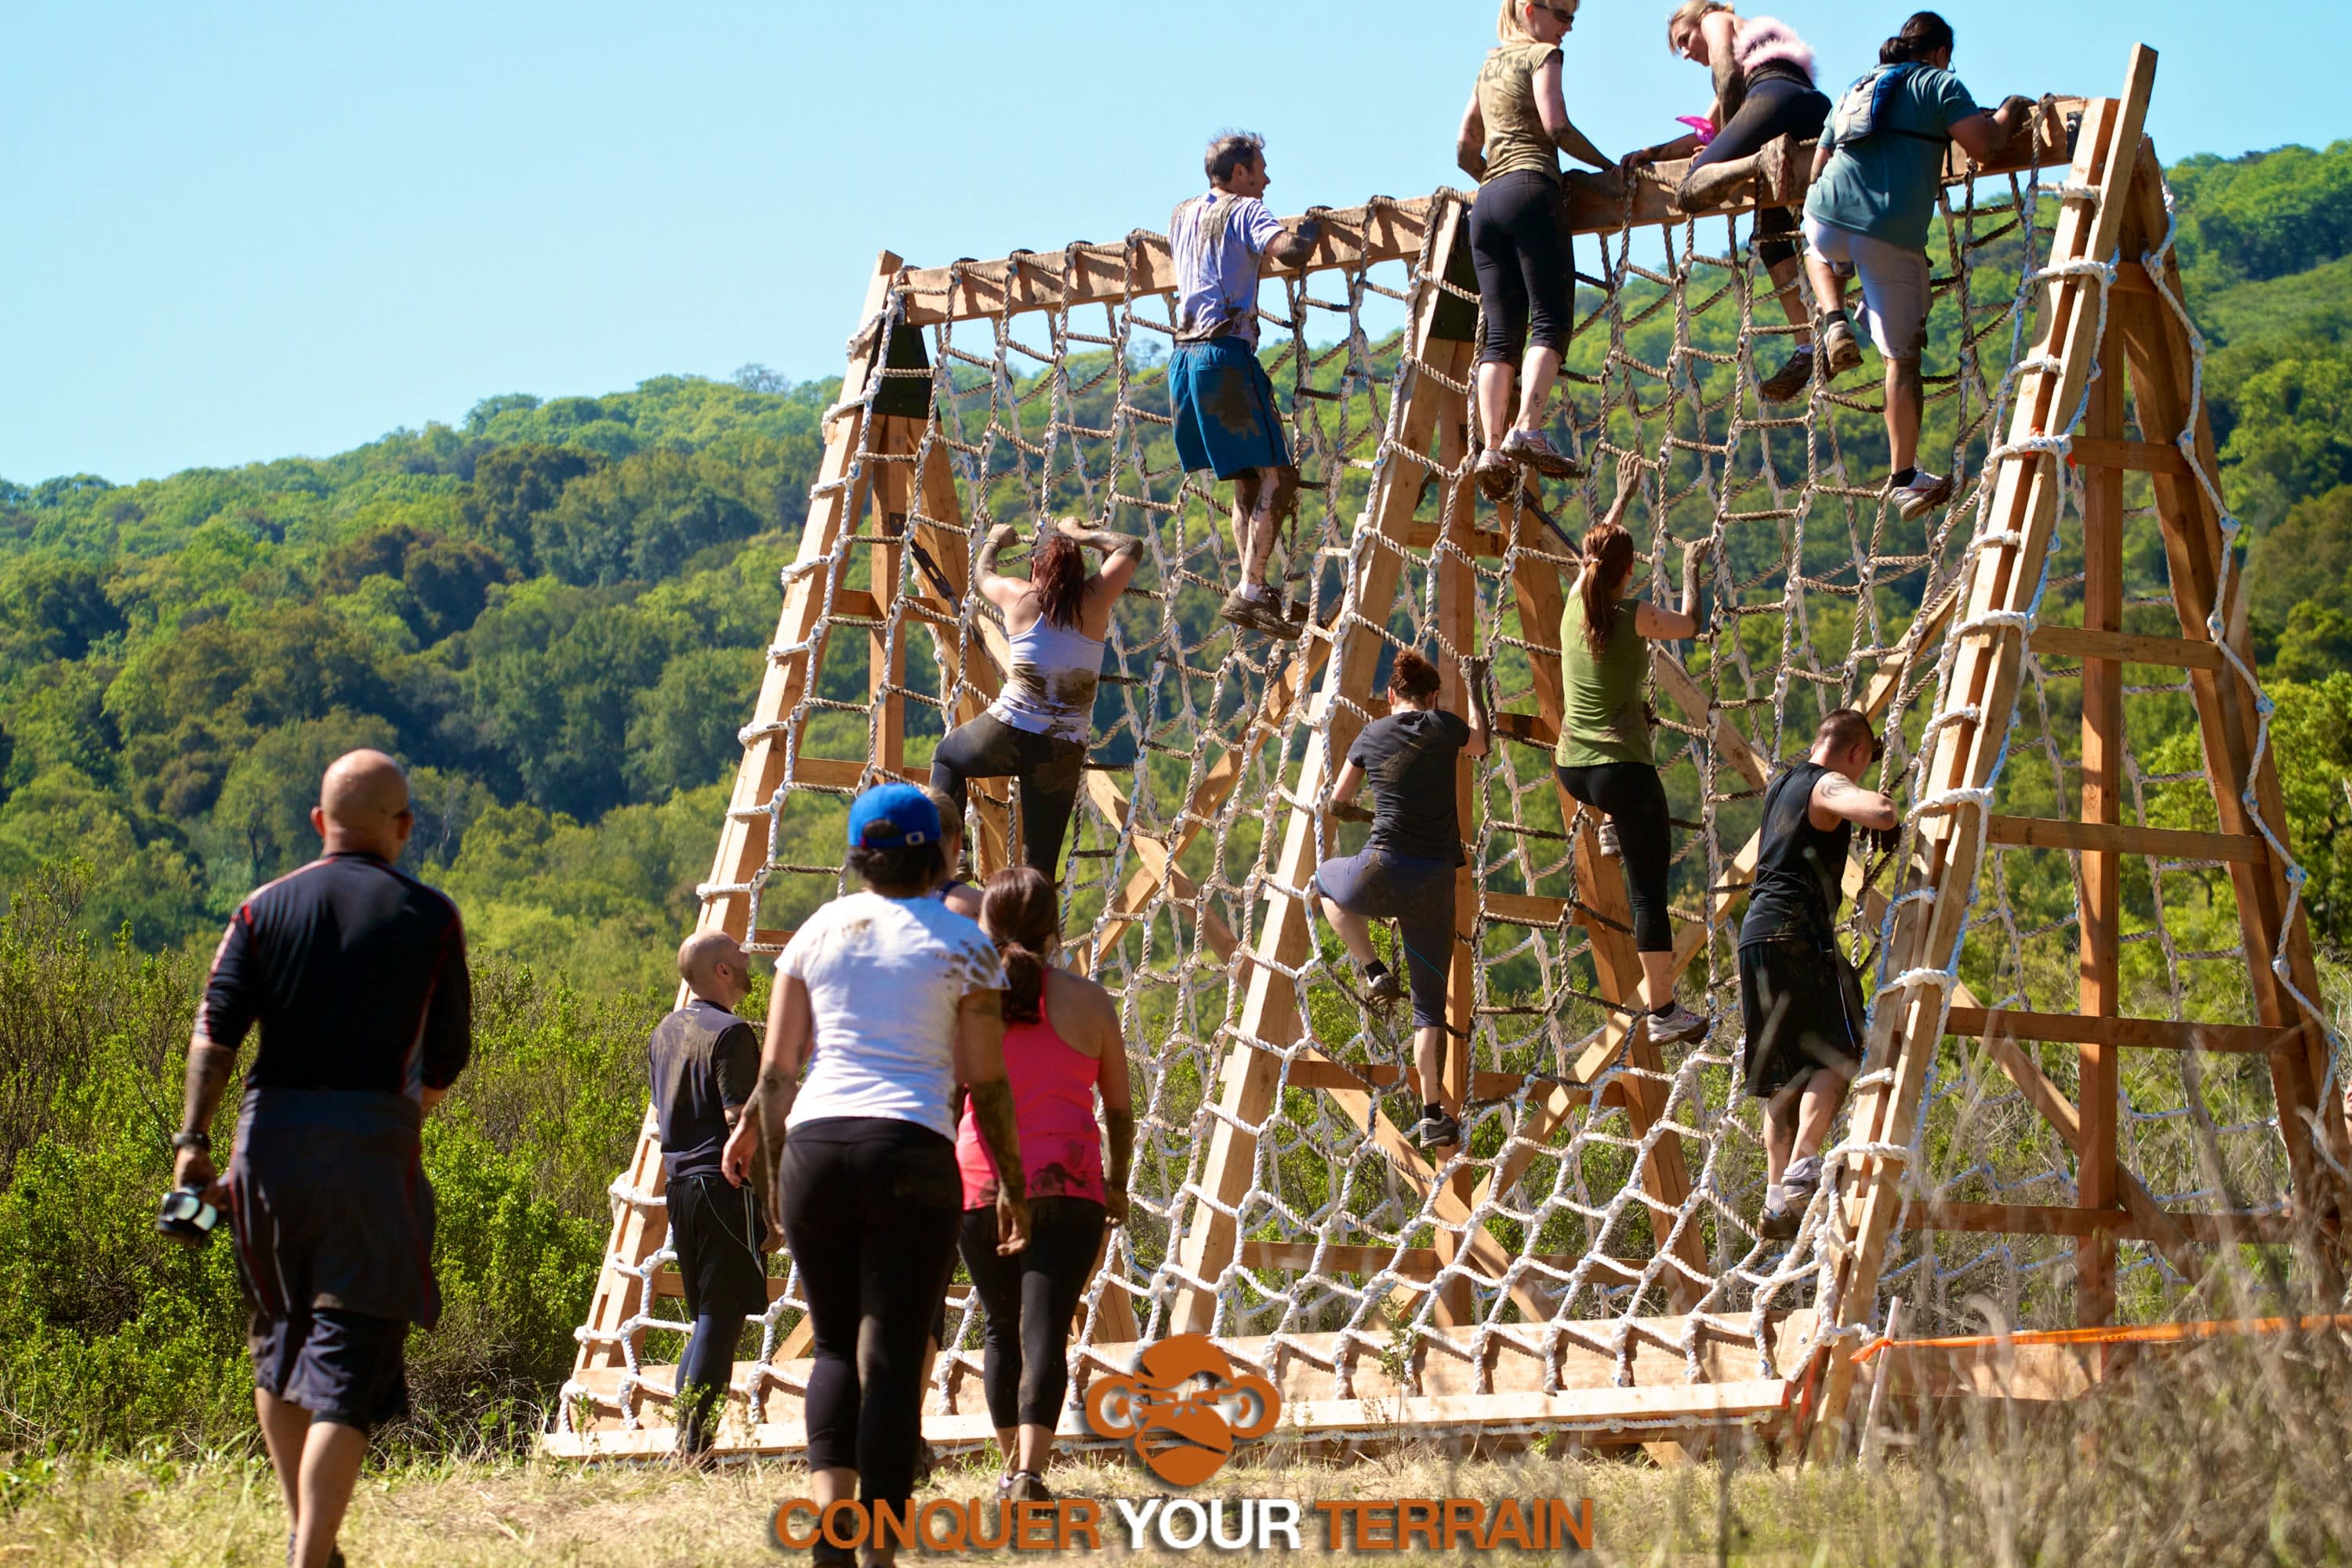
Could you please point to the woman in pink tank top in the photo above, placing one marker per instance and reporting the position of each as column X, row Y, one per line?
column 1063, row 1049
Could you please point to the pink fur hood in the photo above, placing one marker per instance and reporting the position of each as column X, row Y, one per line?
column 1768, row 40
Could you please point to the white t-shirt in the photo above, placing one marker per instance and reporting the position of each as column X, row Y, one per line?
column 883, row 977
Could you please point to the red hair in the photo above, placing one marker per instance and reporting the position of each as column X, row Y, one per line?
column 1057, row 573
column 1608, row 563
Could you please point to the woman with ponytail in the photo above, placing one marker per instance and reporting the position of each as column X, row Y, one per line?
column 1876, row 175
column 1063, row 1050
column 1036, row 732
column 1763, row 92
column 1603, row 760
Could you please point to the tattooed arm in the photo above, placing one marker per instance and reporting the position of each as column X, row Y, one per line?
column 753, row 1148
column 1119, row 1111
column 980, row 1064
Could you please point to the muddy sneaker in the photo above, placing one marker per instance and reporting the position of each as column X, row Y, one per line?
column 1382, row 988
column 1676, row 1024
column 1922, row 494
column 1778, row 1222
column 1607, row 834
column 1837, row 341
column 1026, row 1486
column 1260, row 615
column 1496, row 473
column 1800, row 1182
column 1795, row 374
column 1438, row 1132
column 1533, row 449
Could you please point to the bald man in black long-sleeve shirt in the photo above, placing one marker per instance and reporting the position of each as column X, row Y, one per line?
column 355, row 972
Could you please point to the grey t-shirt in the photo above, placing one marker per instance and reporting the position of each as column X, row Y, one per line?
column 1885, row 185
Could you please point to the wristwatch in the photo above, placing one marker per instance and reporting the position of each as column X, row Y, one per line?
column 193, row 1141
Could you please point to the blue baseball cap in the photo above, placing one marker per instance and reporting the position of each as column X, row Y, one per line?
column 890, row 815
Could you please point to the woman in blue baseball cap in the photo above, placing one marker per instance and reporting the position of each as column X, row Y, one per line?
column 890, row 998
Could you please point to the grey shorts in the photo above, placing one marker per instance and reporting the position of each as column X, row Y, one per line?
column 1895, row 284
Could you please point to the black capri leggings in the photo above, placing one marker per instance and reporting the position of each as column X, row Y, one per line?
column 870, row 1205
column 1048, row 771
column 1632, row 797
column 1030, row 1299
column 1775, row 106
column 1525, row 282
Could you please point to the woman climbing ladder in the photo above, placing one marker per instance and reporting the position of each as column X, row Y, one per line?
column 1604, row 760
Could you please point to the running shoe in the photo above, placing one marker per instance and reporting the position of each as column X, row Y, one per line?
column 1027, row 1485
column 1496, row 473
column 1438, row 1132
column 1607, row 834
column 1923, row 495
column 1837, row 341
column 1382, row 988
column 1533, row 449
column 1795, row 374
column 1778, row 1222
column 1675, row 1025
column 1261, row 615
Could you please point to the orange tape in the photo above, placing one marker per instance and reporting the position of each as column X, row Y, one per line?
column 2144, row 1333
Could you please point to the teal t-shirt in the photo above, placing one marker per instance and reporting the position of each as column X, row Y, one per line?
column 1885, row 185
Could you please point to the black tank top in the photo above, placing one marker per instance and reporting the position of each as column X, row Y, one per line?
column 1799, row 870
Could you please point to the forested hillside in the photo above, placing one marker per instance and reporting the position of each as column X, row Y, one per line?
column 556, row 614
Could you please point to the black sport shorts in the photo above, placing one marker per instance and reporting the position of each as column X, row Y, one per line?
column 345, row 1367
column 1804, row 1010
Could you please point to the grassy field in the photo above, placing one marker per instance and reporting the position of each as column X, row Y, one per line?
column 2234, row 1453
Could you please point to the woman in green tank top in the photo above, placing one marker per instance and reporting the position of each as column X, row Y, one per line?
column 1512, row 135
column 1603, row 760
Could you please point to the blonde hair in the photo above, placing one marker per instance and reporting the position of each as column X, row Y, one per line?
column 1693, row 11
column 1508, row 26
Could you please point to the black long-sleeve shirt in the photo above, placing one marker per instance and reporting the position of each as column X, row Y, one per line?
column 355, row 972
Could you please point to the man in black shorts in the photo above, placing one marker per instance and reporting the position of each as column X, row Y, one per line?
column 1801, row 999
column 356, row 973
column 1405, row 870
column 705, row 1062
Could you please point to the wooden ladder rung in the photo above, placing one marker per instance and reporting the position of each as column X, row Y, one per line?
column 2139, row 457
column 2172, row 844
column 2144, row 1034
column 2060, row 1219
column 2126, row 648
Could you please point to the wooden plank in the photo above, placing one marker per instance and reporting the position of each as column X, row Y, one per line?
column 2125, row 648
column 2113, row 455
column 2122, row 838
column 2110, row 1225
column 2126, row 1034
column 1977, row 705
column 1311, row 1069
column 1416, row 1263
column 1380, row 231
column 1244, row 1091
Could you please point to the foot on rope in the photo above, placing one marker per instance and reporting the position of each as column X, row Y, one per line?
column 1676, row 1024
column 1268, row 615
column 1380, row 985
column 1835, row 334
column 1436, row 1131
column 1496, row 473
column 1786, row 1203
column 1533, row 449
column 1795, row 374
column 1918, row 493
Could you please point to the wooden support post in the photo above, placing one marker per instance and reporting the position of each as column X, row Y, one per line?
column 1973, row 727
column 2101, row 918
column 1457, row 632
column 1247, row 1083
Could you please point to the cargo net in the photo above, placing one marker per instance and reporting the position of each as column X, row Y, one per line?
column 1613, row 1198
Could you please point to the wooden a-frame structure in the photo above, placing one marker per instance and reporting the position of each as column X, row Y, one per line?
column 903, row 482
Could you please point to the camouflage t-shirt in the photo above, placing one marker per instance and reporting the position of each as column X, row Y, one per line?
column 1516, row 138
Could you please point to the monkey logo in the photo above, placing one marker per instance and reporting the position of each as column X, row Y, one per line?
column 1184, row 1406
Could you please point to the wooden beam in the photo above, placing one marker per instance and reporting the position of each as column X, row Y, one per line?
column 2127, row 1034
column 2164, row 843
column 1419, row 1263
column 2113, row 454
column 2125, row 648
column 2113, row 1224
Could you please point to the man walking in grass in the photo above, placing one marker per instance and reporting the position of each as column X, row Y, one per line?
column 355, row 972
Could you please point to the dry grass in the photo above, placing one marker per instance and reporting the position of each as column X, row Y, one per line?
column 2234, row 1453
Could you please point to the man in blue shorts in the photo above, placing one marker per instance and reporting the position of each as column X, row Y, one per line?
column 1223, row 401
column 355, row 972
column 1405, row 870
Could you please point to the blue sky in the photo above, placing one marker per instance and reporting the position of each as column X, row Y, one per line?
column 253, row 231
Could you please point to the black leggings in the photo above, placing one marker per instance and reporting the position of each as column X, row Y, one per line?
column 1630, row 795
column 870, row 1206
column 1775, row 106
column 1525, row 282
column 1048, row 770
column 1030, row 1299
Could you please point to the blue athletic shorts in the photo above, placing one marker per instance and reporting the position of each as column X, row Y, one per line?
column 1224, row 405
column 1416, row 893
